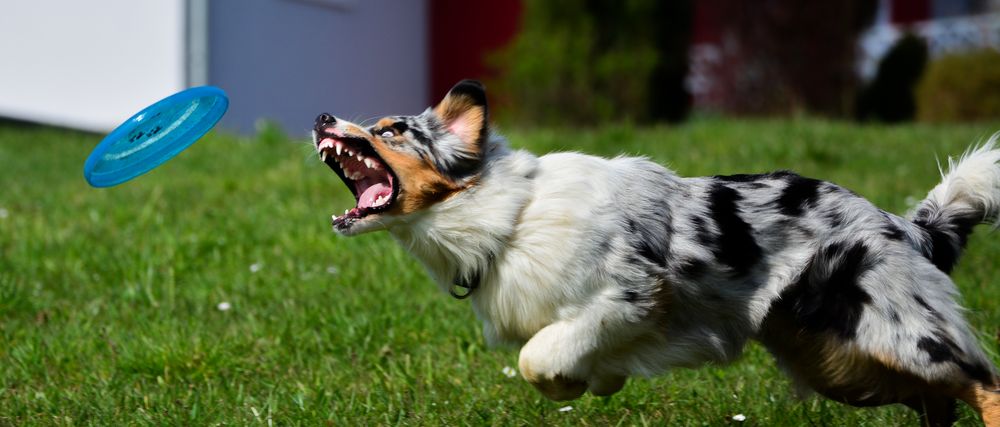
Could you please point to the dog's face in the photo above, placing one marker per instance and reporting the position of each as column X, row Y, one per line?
column 405, row 164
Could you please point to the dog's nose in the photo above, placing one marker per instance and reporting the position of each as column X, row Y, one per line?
column 325, row 120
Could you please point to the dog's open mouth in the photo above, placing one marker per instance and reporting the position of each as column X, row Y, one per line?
column 363, row 171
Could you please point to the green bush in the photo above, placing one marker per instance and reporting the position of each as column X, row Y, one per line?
column 962, row 86
column 596, row 61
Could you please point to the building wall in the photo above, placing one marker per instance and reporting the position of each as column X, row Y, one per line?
column 463, row 33
column 289, row 60
column 88, row 64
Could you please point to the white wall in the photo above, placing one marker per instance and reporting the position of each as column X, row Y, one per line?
column 88, row 64
column 92, row 64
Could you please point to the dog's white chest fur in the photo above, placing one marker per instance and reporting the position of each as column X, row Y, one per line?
column 541, row 277
column 521, row 229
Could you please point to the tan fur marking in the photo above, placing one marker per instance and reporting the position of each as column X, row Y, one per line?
column 985, row 402
column 462, row 110
column 451, row 107
column 355, row 131
column 843, row 372
column 384, row 122
column 420, row 184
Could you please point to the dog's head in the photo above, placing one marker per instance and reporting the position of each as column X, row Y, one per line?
column 405, row 164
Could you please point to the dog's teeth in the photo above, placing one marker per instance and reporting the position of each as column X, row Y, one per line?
column 368, row 162
column 347, row 211
column 322, row 155
column 349, row 152
column 360, row 157
column 339, row 147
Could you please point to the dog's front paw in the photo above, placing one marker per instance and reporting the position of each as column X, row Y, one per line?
column 556, row 387
column 551, row 382
column 552, row 367
column 606, row 385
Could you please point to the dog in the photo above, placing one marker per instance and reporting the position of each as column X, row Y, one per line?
column 603, row 269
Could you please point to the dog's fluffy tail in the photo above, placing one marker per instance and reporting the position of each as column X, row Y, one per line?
column 969, row 194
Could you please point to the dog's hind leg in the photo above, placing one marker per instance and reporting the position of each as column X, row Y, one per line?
column 877, row 324
column 842, row 372
column 937, row 411
column 986, row 401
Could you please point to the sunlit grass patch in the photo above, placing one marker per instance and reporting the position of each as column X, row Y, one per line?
column 111, row 299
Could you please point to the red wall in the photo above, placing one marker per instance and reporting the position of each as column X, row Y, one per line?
column 908, row 11
column 706, row 27
column 462, row 33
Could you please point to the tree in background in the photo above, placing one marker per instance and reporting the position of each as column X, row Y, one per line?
column 890, row 97
column 670, row 99
column 598, row 60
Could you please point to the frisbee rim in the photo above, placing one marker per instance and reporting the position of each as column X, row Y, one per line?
column 155, row 157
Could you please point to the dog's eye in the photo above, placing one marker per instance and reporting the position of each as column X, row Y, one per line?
column 388, row 134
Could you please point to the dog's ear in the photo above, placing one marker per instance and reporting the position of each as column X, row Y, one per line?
column 463, row 112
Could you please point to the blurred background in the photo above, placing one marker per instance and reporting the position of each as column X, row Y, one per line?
column 89, row 65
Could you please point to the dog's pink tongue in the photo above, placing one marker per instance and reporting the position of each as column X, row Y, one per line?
column 371, row 195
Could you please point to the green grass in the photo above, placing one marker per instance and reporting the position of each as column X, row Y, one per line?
column 108, row 297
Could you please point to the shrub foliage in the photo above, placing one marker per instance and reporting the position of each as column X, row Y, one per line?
column 963, row 86
column 597, row 60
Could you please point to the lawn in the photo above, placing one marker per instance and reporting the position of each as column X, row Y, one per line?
column 112, row 300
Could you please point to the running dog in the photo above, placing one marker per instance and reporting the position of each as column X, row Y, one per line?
column 606, row 268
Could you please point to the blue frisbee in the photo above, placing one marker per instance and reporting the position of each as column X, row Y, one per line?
column 154, row 135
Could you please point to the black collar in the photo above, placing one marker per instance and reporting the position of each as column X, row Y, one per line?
column 468, row 284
